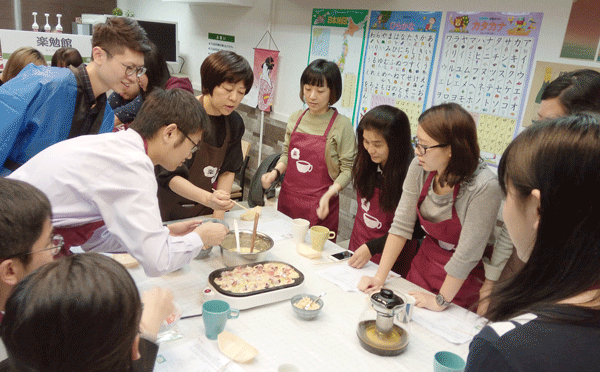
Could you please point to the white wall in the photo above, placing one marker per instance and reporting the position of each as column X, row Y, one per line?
column 291, row 30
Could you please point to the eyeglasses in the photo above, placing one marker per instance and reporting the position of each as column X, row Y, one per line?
column 57, row 242
column 195, row 148
column 129, row 70
column 422, row 149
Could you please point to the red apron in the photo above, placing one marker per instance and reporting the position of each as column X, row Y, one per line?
column 307, row 179
column 427, row 269
column 203, row 173
column 76, row 235
column 372, row 222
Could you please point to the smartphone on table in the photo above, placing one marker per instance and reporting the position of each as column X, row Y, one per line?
column 341, row 256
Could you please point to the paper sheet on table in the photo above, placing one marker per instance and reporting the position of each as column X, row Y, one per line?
column 455, row 324
column 199, row 355
column 276, row 229
column 347, row 277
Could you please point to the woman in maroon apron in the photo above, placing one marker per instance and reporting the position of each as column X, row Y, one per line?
column 187, row 192
column 384, row 154
column 456, row 199
column 318, row 153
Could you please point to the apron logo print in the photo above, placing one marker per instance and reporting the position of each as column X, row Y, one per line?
column 365, row 204
column 211, row 172
column 304, row 166
column 295, row 153
column 371, row 221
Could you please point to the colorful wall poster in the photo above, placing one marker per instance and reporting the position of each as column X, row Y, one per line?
column 266, row 62
column 583, row 30
column 485, row 64
column 339, row 35
column 398, row 62
column 544, row 73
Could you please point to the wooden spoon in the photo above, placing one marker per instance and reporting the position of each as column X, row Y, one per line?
column 254, row 232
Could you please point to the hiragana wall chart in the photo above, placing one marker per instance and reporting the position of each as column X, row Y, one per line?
column 398, row 61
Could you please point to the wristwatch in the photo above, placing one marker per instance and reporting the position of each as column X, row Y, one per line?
column 441, row 301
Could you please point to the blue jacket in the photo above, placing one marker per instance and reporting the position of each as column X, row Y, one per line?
column 36, row 111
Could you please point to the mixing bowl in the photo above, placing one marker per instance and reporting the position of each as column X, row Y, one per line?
column 230, row 255
column 204, row 252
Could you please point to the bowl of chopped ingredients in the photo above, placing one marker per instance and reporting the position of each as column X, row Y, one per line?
column 307, row 306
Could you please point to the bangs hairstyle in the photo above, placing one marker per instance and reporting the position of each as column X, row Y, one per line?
column 23, row 212
column 118, row 33
column 225, row 67
column 322, row 73
column 164, row 107
column 79, row 313
column 157, row 71
column 452, row 125
column 561, row 158
column 577, row 91
column 393, row 125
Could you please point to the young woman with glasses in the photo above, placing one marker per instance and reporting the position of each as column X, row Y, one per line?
column 456, row 198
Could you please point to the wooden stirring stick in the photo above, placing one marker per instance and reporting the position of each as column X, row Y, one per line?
column 237, row 203
column 254, row 232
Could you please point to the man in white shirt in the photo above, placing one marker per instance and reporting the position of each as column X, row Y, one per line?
column 103, row 189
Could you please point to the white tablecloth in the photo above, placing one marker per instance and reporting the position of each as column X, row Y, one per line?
column 327, row 343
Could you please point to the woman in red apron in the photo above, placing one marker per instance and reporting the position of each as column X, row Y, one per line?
column 187, row 192
column 384, row 154
column 456, row 198
column 318, row 152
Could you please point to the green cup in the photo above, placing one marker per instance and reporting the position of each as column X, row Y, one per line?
column 445, row 361
column 215, row 314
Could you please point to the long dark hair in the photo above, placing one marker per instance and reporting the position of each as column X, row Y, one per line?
column 452, row 125
column 393, row 125
column 79, row 313
column 561, row 159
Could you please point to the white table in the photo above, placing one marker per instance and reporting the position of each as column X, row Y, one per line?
column 327, row 343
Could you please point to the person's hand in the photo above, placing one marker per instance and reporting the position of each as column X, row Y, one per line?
column 211, row 233
column 183, row 227
column 426, row 300
column 360, row 257
column 220, row 200
column 323, row 209
column 484, row 293
column 268, row 178
column 369, row 284
column 158, row 305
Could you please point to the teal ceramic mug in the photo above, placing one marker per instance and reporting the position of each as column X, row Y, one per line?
column 215, row 314
column 445, row 361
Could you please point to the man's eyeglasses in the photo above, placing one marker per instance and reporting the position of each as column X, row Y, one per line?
column 422, row 149
column 129, row 70
column 57, row 242
column 195, row 148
